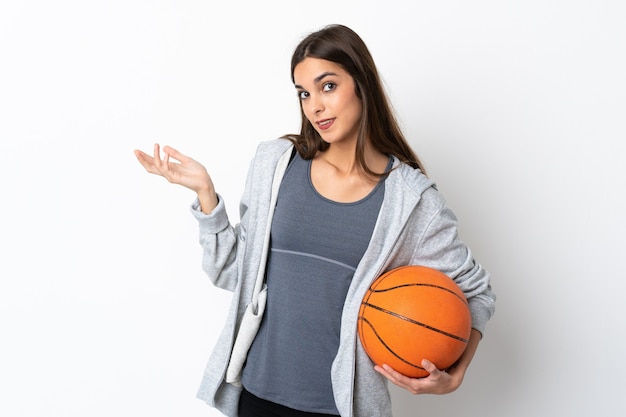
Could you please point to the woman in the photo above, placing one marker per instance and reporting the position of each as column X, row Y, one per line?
column 323, row 214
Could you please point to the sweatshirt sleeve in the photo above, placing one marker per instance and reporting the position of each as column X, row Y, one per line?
column 218, row 239
column 442, row 249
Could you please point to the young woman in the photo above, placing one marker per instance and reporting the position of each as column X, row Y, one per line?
column 323, row 214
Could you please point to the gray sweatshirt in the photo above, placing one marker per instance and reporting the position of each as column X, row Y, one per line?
column 414, row 227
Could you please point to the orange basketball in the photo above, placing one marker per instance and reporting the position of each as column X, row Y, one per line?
column 412, row 313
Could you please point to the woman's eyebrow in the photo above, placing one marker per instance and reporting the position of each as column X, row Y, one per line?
column 322, row 76
column 318, row 78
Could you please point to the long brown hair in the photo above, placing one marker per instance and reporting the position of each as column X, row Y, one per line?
column 341, row 45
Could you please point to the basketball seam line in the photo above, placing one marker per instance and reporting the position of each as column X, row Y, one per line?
column 410, row 320
column 422, row 285
column 387, row 346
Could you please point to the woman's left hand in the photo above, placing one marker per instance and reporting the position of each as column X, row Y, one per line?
column 438, row 382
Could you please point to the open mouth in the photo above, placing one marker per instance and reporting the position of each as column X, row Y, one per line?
column 325, row 124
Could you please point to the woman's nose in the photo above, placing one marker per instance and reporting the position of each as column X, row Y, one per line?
column 317, row 104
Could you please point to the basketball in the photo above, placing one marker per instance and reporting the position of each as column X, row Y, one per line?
column 412, row 313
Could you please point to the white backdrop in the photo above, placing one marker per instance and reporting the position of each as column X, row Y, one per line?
column 516, row 107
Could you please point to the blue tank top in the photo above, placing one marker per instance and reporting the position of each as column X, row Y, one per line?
column 316, row 245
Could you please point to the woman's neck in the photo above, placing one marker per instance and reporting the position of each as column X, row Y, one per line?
column 342, row 156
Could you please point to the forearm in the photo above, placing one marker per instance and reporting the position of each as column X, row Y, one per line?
column 219, row 241
column 457, row 371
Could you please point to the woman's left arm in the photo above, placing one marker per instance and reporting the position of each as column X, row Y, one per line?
column 439, row 381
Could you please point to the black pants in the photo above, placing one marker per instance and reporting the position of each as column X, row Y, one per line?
column 251, row 406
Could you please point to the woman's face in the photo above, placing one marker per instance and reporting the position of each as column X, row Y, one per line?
column 328, row 99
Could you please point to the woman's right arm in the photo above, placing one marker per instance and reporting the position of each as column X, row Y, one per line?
column 217, row 237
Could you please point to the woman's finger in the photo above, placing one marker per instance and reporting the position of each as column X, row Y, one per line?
column 430, row 367
column 176, row 155
column 157, row 156
column 146, row 161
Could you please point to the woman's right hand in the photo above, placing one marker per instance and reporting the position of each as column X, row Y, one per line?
column 186, row 172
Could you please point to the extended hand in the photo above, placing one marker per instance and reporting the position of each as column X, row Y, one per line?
column 186, row 172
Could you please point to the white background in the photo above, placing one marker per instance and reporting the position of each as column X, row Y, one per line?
column 516, row 107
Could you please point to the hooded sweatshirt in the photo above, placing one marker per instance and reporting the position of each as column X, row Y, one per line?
column 414, row 227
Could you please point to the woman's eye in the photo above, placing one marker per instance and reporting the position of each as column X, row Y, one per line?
column 302, row 95
column 329, row 86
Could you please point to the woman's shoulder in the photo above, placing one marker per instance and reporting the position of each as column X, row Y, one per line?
column 412, row 179
column 274, row 146
column 420, row 191
column 268, row 154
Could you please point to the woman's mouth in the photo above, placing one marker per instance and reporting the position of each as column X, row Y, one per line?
column 325, row 124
